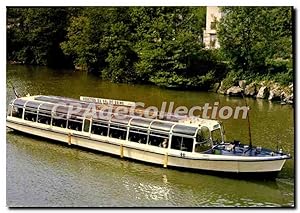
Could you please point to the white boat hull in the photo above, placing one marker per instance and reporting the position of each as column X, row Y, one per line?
column 147, row 153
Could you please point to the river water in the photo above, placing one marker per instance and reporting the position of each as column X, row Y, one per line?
column 46, row 173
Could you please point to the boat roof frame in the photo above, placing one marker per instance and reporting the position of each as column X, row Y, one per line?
column 171, row 125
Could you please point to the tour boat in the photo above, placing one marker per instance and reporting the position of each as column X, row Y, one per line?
column 179, row 142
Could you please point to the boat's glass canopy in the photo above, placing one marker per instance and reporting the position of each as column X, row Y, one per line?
column 59, row 105
column 186, row 130
column 46, row 107
column 33, row 104
column 19, row 102
column 164, row 126
column 122, row 120
column 140, row 122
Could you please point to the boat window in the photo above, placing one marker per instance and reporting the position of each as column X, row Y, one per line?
column 203, row 134
column 204, row 141
column 216, row 136
column 59, row 120
column 17, row 112
column 182, row 143
column 202, row 147
column 18, row 108
column 118, row 131
column 44, row 117
column 138, row 135
column 30, row 114
column 86, row 127
column 99, row 128
column 75, row 123
column 158, row 139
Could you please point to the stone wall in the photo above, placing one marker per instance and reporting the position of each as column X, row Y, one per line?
column 261, row 90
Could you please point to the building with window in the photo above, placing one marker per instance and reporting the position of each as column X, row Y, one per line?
column 213, row 15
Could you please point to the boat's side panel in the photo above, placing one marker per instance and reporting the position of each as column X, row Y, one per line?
column 38, row 132
column 99, row 145
column 112, row 146
column 226, row 166
column 62, row 137
column 261, row 166
column 145, row 156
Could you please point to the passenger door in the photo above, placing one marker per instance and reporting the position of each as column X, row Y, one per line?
column 86, row 129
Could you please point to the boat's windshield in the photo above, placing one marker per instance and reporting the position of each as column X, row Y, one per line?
column 203, row 140
column 216, row 136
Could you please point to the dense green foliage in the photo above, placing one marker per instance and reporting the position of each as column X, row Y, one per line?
column 159, row 45
column 162, row 45
column 34, row 35
column 257, row 42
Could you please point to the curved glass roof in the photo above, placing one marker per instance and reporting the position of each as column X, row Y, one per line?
column 33, row 104
column 186, row 130
column 121, row 120
column 79, row 113
column 19, row 102
column 140, row 122
column 46, row 107
column 164, row 126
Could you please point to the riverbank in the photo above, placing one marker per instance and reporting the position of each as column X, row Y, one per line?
column 269, row 90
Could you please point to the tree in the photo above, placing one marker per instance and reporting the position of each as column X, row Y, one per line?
column 118, row 43
column 35, row 34
column 99, row 40
column 139, row 43
column 168, row 44
column 83, row 38
column 251, row 37
column 161, row 45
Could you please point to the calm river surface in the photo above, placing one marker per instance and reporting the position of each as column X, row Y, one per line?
column 45, row 173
